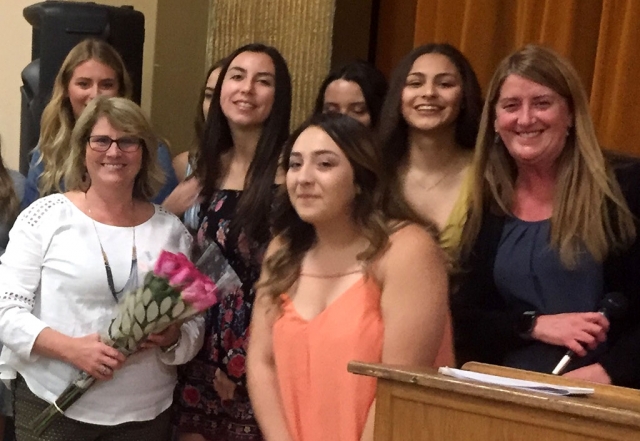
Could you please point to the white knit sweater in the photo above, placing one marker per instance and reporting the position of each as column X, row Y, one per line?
column 52, row 275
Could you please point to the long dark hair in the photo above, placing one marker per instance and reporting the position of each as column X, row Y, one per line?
column 393, row 130
column 198, row 124
column 371, row 81
column 252, row 213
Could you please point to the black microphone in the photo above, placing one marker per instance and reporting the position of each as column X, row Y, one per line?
column 612, row 306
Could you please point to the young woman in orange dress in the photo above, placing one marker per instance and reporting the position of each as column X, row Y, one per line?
column 345, row 278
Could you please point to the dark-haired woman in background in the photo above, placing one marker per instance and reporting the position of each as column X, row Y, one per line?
column 183, row 201
column 552, row 228
column 428, row 128
column 182, row 161
column 356, row 89
column 247, row 126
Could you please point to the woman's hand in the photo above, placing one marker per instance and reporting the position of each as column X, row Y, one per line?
column 224, row 387
column 183, row 196
column 573, row 330
column 594, row 373
column 164, row 339
column 89, row 354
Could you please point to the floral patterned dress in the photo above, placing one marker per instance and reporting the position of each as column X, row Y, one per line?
column 198, row 408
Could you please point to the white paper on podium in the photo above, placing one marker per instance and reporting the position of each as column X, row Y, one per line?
column 519, row 384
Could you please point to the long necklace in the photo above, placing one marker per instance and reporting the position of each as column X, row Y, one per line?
column 132, row 280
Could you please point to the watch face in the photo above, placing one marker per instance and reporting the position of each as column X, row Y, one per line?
column 526, row 322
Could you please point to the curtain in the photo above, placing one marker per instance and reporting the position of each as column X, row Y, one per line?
column 615, row 93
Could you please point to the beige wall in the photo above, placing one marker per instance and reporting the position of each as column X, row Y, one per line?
column 15, row 54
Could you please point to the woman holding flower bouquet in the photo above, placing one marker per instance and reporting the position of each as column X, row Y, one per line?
column 346, row 278
column 247, row 126
column 69, row 259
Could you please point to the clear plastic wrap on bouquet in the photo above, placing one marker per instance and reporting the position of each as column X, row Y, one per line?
column 212, row 263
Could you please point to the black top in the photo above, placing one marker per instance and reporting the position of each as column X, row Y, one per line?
column 485, row 323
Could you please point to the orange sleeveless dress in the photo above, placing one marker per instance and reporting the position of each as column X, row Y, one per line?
column 322, row 400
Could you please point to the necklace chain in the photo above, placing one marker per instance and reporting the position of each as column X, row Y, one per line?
column 331, row 275
column 132, row 280
column 432, row 186
column 448, row 171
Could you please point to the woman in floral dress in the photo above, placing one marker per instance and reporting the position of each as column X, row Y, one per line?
column 238, row 164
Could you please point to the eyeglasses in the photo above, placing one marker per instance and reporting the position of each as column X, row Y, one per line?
column 126, row 144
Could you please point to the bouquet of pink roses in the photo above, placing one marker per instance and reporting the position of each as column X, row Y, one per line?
column 174, row 291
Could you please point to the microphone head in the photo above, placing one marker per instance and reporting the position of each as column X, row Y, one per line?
column 613, row 305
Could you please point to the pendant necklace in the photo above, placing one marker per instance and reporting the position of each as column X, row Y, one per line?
column 132, row 280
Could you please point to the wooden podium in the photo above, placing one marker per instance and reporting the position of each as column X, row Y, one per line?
column 422, row 405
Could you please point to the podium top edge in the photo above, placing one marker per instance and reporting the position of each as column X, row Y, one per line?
column 608, row 403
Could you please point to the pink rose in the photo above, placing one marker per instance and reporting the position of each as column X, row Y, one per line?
column 184, row 277
column 208, row 284
column 166, row 265
column 201, row 294
column 184, row 261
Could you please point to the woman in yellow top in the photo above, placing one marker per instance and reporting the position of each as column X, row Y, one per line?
column 428, row 130
column 361, row 280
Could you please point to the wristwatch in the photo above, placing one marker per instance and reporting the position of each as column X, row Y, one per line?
column 173, row 346
column 525, row 324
